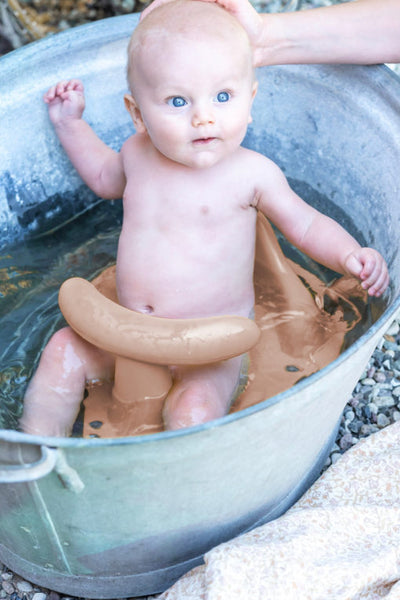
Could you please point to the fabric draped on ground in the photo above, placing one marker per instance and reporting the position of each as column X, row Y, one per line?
column 341, row 540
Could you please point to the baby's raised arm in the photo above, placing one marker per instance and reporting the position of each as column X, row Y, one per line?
column 317, row 235
column 99, row 166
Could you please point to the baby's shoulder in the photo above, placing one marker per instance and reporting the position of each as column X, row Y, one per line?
column 132, row 144
column 260, row 172
column 134, row 153
column 255, row 161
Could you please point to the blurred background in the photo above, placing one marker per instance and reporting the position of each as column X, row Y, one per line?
column 24, row 21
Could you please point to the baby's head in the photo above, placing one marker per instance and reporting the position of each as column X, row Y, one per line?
column 192, row 82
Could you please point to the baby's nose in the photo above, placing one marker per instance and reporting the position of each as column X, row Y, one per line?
column 203, row 115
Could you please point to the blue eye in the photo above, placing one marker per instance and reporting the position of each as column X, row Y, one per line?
column 177, row 101
column 223, row 96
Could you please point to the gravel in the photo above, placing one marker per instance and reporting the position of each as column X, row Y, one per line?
column 375, row 401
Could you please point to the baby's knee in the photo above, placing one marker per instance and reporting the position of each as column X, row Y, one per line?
column 62, row 338
column 193, row 405
column 59, row 342
column 74, row 355
column 65, row 355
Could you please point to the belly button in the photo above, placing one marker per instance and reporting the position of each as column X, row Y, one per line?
column 147, row 310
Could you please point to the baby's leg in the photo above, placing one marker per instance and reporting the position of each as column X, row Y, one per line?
column 54, row 394
column 200, row 394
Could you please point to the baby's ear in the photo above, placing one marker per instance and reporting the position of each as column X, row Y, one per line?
column 134, row 110
column 254, row 89
column 253, row 95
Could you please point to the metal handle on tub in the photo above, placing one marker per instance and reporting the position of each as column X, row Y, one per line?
column 30, row 471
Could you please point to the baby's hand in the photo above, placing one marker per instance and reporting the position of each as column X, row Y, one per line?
column 66, row 100
column 369, row 266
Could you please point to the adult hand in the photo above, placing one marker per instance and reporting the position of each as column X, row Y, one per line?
column 249, row 18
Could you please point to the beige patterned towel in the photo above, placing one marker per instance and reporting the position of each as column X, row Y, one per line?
column 341, row 540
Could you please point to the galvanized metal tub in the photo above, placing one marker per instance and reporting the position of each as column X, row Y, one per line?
column 105, row 518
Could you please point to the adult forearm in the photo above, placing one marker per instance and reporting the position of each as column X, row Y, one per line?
column 361, row 32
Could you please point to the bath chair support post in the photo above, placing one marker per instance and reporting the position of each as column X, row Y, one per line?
column 141, row 389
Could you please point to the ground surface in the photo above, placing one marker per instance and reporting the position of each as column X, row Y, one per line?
column 22, row 22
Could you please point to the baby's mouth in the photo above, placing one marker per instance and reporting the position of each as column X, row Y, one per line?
column 204, row 141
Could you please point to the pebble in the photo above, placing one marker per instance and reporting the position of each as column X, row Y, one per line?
column 373, row 408
column 24, row 586
column 384, row 401
column 8, row 587
column 379, row 376
column 368, row 381
column 367, row 429
column 346, row 441
column 334, row 457
column 382, row 420
column 349, row 415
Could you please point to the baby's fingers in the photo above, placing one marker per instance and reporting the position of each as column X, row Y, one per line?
column 50, row 94
column 370, row 267
column 67, row 86
column 56, row 91
column 380, row 285
column 61, row 89
column 377, row 282
column 374, row 274
column 74, row 85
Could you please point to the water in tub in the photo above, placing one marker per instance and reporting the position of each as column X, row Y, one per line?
column 291, row 347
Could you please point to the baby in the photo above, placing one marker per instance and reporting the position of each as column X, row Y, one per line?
column 190, row 197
